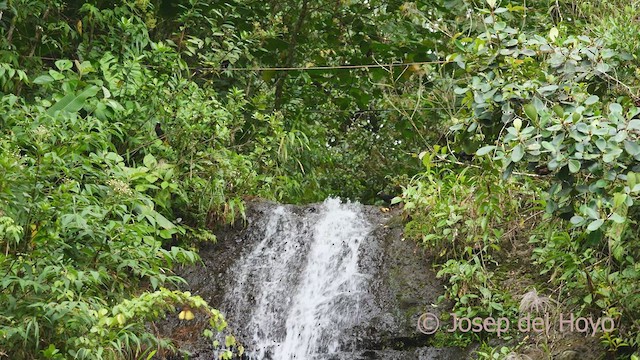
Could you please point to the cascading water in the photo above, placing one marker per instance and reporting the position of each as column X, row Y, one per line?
column 299, row 287
column 326, row 281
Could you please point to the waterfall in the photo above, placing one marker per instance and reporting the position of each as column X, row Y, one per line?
column 298, row 289
column 328, row 281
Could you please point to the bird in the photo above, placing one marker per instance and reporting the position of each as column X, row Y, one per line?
column 160, row 133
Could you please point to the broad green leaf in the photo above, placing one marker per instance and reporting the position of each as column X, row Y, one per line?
column 618, row 252
column 617, row 218
column 632, row 147
column 56, row 75
column 163, row 222
column 518, row 153
column 615, row 108
column 576, row 220
column 603, row 68
column 72, row 102
column 574, row 166
column 595, row 225
column 558, row 110
column 591, row 100
column 590, row 212
column 607, row 53
column 43, row 79
column 610, row 156
column 633, row 179
column 531, row 112
column 154, row 282
column 547, row 90
column 460, row 91
column 619, row 200
column 149, row 161
column 64, row 65
column 485, row 150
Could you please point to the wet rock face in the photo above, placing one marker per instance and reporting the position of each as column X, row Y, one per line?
column 325, row 281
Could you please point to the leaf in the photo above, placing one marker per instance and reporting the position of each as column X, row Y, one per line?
column 485, row 150
column 602, row 67
column 632, row 147
column 553, row 34
column 229, row 341
column 64, row 64
column 43, row 79
column 610, row 156
column 149, row 161
column 517, row 154
column 591, row 100
column 56, row 75
column 154, row 282
column 576, row 220
column 549, row 89
column 633, row 125
column 72, row 102
column 615, row 108
column 618, row 252
column 517, row 124
column 617, row 218
column 590, row 212
column 164, row 222
column 608, row 53
column 574, row 166
column 531, row 112
column 507, row 172
column 595, row 225
column 632, row 179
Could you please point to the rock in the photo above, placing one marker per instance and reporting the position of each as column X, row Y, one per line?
column 568, row 355
column 400, row 286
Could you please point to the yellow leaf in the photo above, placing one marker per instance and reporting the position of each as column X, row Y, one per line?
column 79, row 26
column 189, row 315
column 553, row 34
column 34, row 230
column 181, row 315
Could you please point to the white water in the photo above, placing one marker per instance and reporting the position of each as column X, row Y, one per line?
column 299, row 287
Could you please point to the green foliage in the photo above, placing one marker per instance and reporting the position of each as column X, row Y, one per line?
column 459, row 212
column 91, row 193
column 130, row 130
column 555, row 104
column 488, row 352
column 468, row 219
column 82, row 231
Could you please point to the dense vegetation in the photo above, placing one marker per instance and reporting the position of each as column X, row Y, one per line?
column 130, row 130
